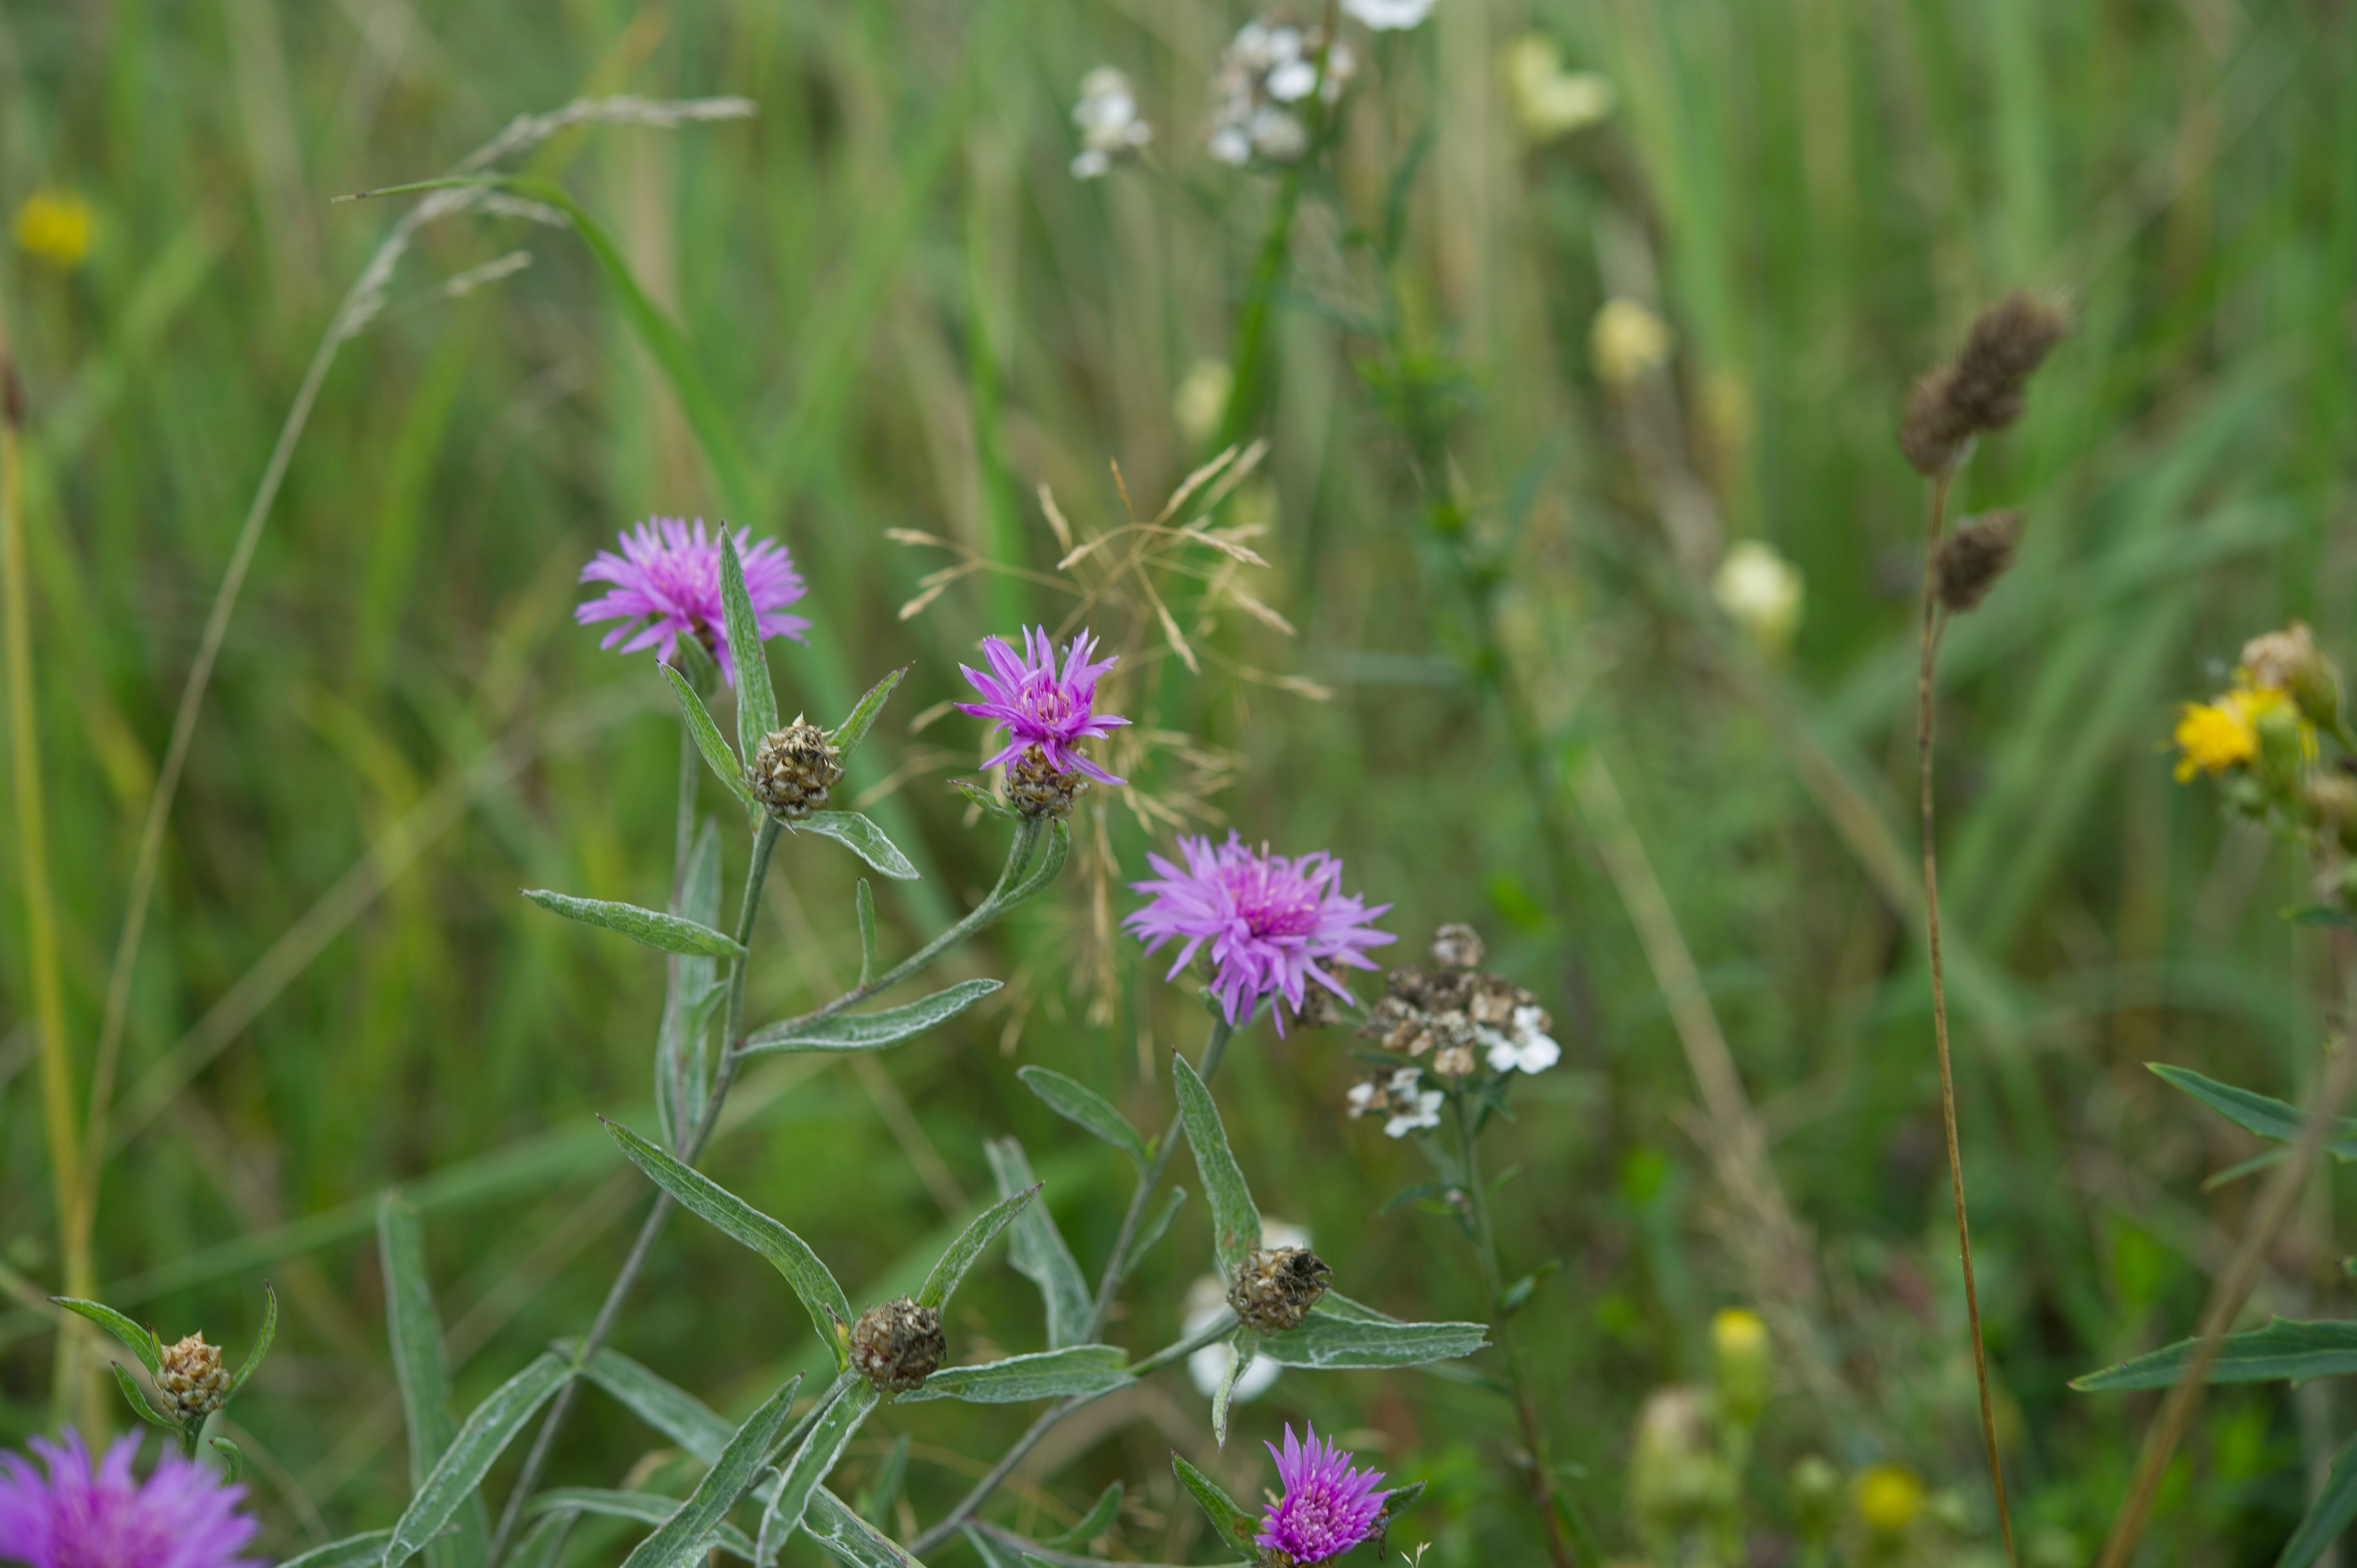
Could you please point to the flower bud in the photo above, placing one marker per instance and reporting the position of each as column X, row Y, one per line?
column 1815, row 1489
column 795, row 769
column 896, row 1345
column 1275, row 1288
column 1036, row 789
column 1456, row 946
column 1741, row 1363
column 193, row 1380
column 2288, row 661
column 1889, row 1499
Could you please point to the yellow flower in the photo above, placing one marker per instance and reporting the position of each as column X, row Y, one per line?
column 1889, row 1499
column 2224, row 734
column 1548, row 101
column 56, row 229
column 1627, row 342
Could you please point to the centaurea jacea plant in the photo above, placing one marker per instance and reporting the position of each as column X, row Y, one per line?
column 1046, row 711
column 93, row 1512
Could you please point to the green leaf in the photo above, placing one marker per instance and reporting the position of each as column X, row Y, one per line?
column 1153, row 1229
column 866, row 902
column 1518, row 1294
column 1093, row 1523
column 349, row 1552
column 1329, row 1343
column 480, row 1441
column 983, row 798
column 821, row 1297
column 1085, row 1370
column 884, row 1481
column 846, row 735
column 687, row 1533
column 2329, row 915
column 140, row 1403
column 232, row 1461
column 691, row 993
column 1235, row 1222
column 862, row 838
column 142, row 1341
column 1231, row 1522
column 1084, row 1107
column 2284, row 1350
column 716, row 755
column 849, row 1402
column 646, row 1507
column 757, row 701
column 870, row 1031
column 419, row 1369
column 668, row 932
column 1051, row 865
column 661, row 1404
column 2332, row 1512
column 543, row 1545
column 850, row 1538
column 253, row 1363
column 942, row 1283
column 2255, row 1112
column 1036, row 1250
column 996, row 1549
column 1246, row 1348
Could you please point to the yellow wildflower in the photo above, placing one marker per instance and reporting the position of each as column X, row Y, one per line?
column 2224, row 734
column 1889, row 1499
column 1548, row 101
column 1627, row 342
column 56, row 229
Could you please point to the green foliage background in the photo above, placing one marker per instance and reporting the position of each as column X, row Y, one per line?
column 912, row 316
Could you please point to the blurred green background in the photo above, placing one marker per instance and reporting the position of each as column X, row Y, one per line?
column 912, row 316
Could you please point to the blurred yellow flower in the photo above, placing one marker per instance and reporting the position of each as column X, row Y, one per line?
column 1550, row 102
column 1738, row 1332
column 1889, row 1499
column 1760, row 592
column 1627, row 341
column 56, row 229
column 1202, row 400
column 2217, row 736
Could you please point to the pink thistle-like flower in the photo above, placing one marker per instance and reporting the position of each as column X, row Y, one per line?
column 1039, row 705
column 1327, row 1506
column 99, row 1516
column 667, row 584
column 1272, row 922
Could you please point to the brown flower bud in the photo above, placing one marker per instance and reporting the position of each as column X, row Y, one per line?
column 1969, row 561
column 795, row 769
column 193, row 1380
column 1036, row 789
column 1456, row 946
column 1275, row 1288
column 896, row 1345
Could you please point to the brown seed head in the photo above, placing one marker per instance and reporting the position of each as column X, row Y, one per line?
column 193, row 1380
column 2006, row 344
column 896, row 1345
column 1397, row 1022
column 1036, row 789
column 795, row 770
column 1969, row 561
column 1931, row 434
column 1275, row 1288
column 1456, row 946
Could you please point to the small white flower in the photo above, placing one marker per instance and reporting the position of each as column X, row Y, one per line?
column 1264, row 70
column 1528, row 1050
column 1426, row 1114
column 1091, row 165
column 1362, row 1098
column 1405, row 1081
column 1388, row 15
column 1277, row 136
column 1108, row 121
column 1291, row 82
column 1760, row 592
column 1207, row 1298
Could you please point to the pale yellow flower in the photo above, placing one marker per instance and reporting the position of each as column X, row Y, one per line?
column 1760, row 592
column 1202, row 400
column 56, row 227
column 1548, row 101
column 1628, row 342
column 1889, row 1499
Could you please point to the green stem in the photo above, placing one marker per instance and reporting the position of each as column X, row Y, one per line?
column 1214, row 1048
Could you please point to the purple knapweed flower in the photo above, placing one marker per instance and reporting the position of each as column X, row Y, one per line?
column 1039, row 705
column 667, row 584
column 99, row 1516
column 1272, row 922
column 1327, row 1506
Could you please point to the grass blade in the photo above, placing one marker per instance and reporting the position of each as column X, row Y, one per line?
column 2332, row 1512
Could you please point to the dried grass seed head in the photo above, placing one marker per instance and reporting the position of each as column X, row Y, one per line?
column 1969, row 561
column 2005, row 344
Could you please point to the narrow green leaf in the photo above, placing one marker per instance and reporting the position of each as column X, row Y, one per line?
column 1085, row 1370
column 851, row 1539
column 2333, row 1511
column 253, row 1363
column 420, row 1370
column 687, row 1532
column 349, row 1552
column 2330, row 915
column 1093, row 1523
column 847, row 734
column 2284, row 1350
column 862, row 838
column 1153, row 1229
column 870, row 1031
column 480, row 1441
column 2255, row 1112
column 1333, row 1344
column 1235, row 1222
column 995, row 1552
column 757, row 700
column 1246, row 1348
column 1036, row 1250
column 983, row 798
column 821, row 1297
column 668, row 932
column 691, row 991
column 543, row 1545
column 1231, row 1522
column 866, row 900
column 1086, row 1109
column 139, row 1401
column 850, row 1401
column 141, row 1340
column 661, row 1404
column 716, row 755
column 2241, row 1168
column 1051, row 865
column 883, row 1487
column 232, row 1461
column 942, row 1283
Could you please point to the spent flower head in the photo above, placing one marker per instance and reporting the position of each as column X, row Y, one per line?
column 1040, row 705
column 667, row 586
column 86, row 1514
column 1271, row 923
column 1108, row 121
column 1329, row 1506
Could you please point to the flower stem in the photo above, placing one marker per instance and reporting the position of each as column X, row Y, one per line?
column 1117, row 1262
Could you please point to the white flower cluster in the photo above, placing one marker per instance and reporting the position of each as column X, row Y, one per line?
column 1524, row 1046
column 1388, row 15
column 1263, row 73
column 1412, row 1105
column 1109, row 123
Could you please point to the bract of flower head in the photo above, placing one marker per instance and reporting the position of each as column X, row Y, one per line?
column 1760, row 592
column 1627, row 342
column 1270, row 923
column 56, row 229
column 1262, row 73
column 1388, row 15
column 1039, row 704
column 2215, row 737
column 667, row 586
column 1207, row 1303
column 98, row 1514
column 1525, row 1045
column 1108, row 121
column 1329, row 1506
column 1548, row 101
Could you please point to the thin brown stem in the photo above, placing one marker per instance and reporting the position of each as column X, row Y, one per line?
column 1930, row 653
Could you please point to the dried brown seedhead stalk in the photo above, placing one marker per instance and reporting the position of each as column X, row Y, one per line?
column 1983, row 389
column 1969, row 561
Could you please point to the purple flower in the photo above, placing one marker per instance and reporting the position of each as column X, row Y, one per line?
column 83, row 1516
column 667, row 583
column 1327, row 1506
column 1038, row 706
column 1270, row 921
